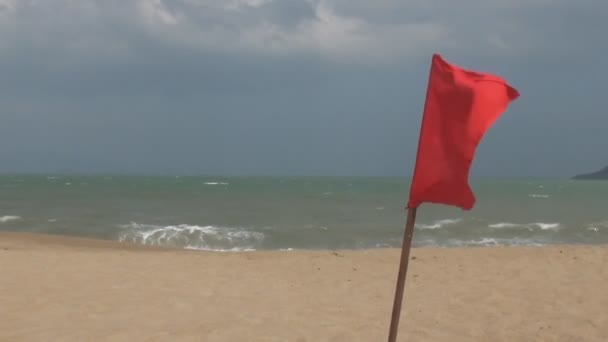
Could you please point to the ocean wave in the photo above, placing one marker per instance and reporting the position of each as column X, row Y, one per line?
column 538, row 196
column 528, row 226
column 438, row 224
column 209, row 238
column 233, row 249
column 597, row 226
column 547, row 226
column 504, row 225
column 216, row 183
column 9, row 218
column 493, row 242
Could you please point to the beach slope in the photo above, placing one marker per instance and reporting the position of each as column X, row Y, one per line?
column 67, row 289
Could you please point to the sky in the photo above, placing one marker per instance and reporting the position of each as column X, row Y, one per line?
column 291, row 87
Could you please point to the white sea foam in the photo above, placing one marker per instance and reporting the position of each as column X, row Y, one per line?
column 597, row 226
column 216, row 183
column 547, row 226
column 211, row 238
column 9, row 218
column 492, row 242
column 504, row 225
column 233, row 249
column 482, row 242
column 528, row 226
column 438, row 224
column 538, row 196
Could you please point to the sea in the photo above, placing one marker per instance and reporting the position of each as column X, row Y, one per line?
column 292, row 213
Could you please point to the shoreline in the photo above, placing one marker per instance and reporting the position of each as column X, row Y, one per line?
column 42, row 239
column 65, row 288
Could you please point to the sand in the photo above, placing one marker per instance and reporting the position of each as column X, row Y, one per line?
column 66, row 289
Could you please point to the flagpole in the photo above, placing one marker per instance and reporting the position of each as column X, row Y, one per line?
column 405, row 256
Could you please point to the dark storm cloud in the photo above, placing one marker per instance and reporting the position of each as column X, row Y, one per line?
column 289, row 87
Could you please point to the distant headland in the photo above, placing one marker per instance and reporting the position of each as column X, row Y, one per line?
column 601, row 174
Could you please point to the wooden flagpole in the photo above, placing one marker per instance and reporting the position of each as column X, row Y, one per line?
column 405, row 256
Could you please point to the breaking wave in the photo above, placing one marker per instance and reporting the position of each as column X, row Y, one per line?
column 209, row 238
column 9, row 218
column 494, row 242
column 598, row 226
column 538, row 196
column 528, row 226
column 438, row 224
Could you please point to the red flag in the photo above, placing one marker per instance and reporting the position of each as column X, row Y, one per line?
column 460, row 107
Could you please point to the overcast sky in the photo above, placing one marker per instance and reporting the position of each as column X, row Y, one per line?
column 291, row 87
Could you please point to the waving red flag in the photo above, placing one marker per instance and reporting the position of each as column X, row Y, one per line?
column 460, row 107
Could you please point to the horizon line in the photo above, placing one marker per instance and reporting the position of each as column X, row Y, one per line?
column 253, row 175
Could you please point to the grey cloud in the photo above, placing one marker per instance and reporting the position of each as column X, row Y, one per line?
column 339, row 31
column 286, row 13
column 309, row 87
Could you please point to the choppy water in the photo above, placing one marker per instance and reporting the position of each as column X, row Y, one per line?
column 223, row 213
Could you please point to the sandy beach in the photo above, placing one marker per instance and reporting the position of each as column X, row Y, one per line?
column 68, row 289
